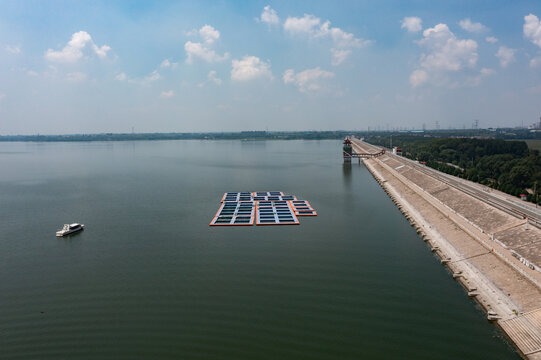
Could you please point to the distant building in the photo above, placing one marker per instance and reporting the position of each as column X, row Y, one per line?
column 397, row 151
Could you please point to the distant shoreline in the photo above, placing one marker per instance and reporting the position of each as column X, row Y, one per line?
column 270, row 135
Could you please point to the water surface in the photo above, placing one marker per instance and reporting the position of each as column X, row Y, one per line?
column 149, row 279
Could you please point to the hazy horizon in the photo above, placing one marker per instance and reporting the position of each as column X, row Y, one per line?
column 177, row 66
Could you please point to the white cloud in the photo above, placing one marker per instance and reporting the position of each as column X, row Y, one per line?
column 339, row 56
column 13, row 49
column 73, row 51
column 412, row 24
column 153, row 76
column 307, row 80
column 250, row 68
column 168, row 64
column 446, row 52
column 312, row 27
column 443, row 53
column 506, row 56
column 203, row 50
column 76, row 77
column 269, row 16
column 209, row 34
column 167, row 94
column 535, row 62
column 418, row 77
column 308, row 24
column 476, row 80
column 121, row 77
column 211, row 77
column 2, row 96
column 487, row 72
column 532, row 29
column 32, row 73
column 491, row 39
column 470, row 26
column 199, row 50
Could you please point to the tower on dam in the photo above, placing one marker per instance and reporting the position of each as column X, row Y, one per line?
column 347, row 151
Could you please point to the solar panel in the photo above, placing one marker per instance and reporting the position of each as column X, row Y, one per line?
column 275, row 214
column 303, row 208
column 235, row 213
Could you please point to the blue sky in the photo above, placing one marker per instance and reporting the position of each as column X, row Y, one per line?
column 104, row 66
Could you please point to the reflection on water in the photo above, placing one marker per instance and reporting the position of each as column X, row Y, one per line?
column 346, row 170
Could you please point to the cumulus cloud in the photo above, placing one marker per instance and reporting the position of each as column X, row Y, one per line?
column 269, row 16
column 339, row 56
column 506, row 56
column 476, row 80
column 446, row 52
column 121, row 77
column 13, row 49
column 203, row 50
column 535, row 62
column 443, row 53
column 211, row 77
column 74, row 50
column 312, row 27
column 32, row 73
column 418, row 77
column 487, row 72
column 76, row 77
column 209, row 34
column 250, row 68
column 167, row 94
column 412, row 24
column 308, row 80
column 470, row 26
column 491, row 39
column 168, row 64
column 153, row 76
column 532, row 29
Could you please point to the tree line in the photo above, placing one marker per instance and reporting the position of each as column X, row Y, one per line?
column 508, row 166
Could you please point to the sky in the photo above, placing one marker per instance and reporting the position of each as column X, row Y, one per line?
column 198, row 66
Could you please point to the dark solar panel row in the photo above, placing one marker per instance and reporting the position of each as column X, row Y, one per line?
column 275, row 213
column 235, row 213
column 303, row 208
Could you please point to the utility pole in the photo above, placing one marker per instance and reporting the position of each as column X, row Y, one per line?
column 535, row 192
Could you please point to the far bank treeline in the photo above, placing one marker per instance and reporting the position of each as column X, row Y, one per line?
column 508, row 166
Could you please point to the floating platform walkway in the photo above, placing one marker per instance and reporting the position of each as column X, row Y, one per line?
column 261, row 208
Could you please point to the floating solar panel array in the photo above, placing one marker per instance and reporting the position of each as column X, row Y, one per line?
column 263, row 207
column 303, row 208
column 237, row 196
column 235, row 213
column 275, row 213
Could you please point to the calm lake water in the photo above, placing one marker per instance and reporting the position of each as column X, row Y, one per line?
column 149, row 279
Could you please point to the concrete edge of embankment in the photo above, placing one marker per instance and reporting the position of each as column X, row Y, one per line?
column 477, row 286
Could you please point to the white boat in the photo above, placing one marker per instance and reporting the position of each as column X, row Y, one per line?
column 70, row 229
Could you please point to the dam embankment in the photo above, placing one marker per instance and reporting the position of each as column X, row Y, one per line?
column 464, row 233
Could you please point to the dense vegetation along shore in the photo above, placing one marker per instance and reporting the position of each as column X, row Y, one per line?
column 508, row 166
